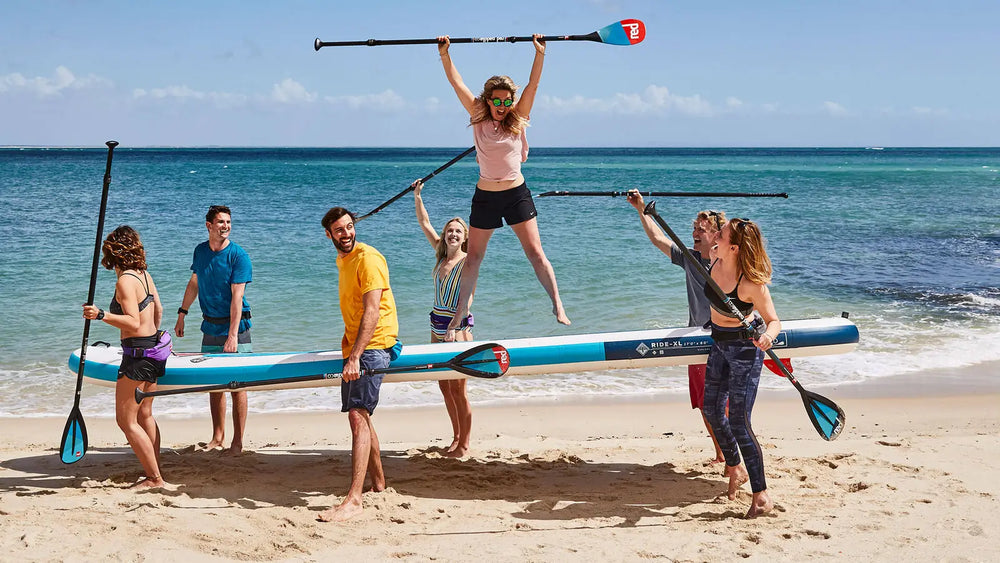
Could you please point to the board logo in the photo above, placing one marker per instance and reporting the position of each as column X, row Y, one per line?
column 642, row 349
column 635, row 30
column 503, row 358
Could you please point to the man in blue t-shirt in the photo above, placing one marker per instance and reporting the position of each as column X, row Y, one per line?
column 221, row 271
column 705, row 224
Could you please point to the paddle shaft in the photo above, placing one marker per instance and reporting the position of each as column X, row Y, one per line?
column 651, row 211
column 93, row 270
column 457, row 363
column 318, row 44
column 661, row 194
column 422, row 180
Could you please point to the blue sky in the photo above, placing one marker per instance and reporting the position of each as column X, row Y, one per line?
column 794, row 73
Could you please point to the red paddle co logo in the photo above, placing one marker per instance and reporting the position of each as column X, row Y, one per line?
column 503, row 358
column 635, row 30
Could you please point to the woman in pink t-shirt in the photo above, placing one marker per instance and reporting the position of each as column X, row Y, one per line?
column 498, row 122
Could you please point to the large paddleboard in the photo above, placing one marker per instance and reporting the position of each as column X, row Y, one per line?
column 528, row 356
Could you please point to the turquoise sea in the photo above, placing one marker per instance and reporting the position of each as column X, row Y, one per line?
column 906, row 240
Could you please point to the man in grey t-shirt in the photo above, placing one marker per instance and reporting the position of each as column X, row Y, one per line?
column 699, row 312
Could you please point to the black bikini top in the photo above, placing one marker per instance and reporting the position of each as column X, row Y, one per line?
column 116, row 308
column 720, row 306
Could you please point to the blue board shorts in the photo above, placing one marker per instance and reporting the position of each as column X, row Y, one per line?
column 362, row 393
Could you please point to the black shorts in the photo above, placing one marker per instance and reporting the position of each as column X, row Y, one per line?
column 514, row 206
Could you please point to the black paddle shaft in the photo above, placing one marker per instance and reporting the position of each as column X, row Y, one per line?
column 651, row 211
column 422, row 180
column 661, row 194
column 93, row 270
column 318, row 44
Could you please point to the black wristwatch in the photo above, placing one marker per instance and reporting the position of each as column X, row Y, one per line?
column 100, row 315
column 182, row 311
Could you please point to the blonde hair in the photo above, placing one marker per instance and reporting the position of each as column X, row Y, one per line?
column 752, row 259
column 513, row 123
column 715, row 219
column 441, row 249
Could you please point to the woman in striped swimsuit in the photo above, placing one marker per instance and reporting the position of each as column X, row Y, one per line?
column 450, row 247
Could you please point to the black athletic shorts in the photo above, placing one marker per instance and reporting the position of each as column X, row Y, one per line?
column 141, row 369
column 514, row 206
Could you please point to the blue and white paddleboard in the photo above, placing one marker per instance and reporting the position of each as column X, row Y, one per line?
column 528, row 356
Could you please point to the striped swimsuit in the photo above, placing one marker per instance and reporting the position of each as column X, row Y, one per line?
column 446, row 299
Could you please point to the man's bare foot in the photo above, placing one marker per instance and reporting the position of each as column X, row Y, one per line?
column 460, row 451
column 761, row 505
column 718, row 459
column 737, row 476
column 560, row 314
column 346, row 511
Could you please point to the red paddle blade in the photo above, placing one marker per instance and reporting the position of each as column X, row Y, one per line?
column 771, row 365
column 625, row 32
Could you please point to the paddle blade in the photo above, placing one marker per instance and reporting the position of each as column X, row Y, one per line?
column 771, row 365
column 827, row 418
column 625, row 32
column 486, row 360
column 74, row 438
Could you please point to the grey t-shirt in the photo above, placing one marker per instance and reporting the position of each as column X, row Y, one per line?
column 699, row 310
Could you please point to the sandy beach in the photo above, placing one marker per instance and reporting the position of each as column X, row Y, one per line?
column 911, row 477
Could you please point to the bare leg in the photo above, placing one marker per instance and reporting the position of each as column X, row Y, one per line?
column 449, row 403
column 127, row 416
column 239, row 419
column 217, row 404
column 527, row 233
column 478, row 239
column 145, row 420
column 761, row 504
column 361, row 449
column 463, row 410
column 375, row 459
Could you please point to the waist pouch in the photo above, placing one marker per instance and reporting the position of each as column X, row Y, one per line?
column 224, row 320
column 160, row 352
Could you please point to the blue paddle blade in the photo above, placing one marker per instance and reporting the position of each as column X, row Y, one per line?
column 625, row 32
column 826, row 416
column 486, row 360
column 74, row 439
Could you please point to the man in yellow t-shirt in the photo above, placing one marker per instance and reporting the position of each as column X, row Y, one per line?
column 370, row 329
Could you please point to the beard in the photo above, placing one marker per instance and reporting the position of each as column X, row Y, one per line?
column 345, row 247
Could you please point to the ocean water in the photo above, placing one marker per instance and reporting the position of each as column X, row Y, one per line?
column 906, row 240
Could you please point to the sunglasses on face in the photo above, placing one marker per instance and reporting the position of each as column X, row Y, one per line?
column 505, row 102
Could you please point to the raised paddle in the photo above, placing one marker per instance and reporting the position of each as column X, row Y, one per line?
column 74, row 437
column 625, row 32
column 663, row 194
column 422, row 180
column 486, row 360
column 827, row 418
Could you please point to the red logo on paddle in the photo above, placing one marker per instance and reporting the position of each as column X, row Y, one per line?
column 503, row 358
column 635, row 30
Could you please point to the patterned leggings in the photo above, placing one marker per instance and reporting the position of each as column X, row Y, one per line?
column 733, row 374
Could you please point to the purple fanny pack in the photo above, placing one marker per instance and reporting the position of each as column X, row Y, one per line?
column 160, row 352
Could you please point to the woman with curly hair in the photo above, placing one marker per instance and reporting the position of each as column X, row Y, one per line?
column 498, row 122
column 734, row 363
column 144, row 348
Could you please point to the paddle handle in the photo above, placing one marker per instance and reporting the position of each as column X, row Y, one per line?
column 319, row 44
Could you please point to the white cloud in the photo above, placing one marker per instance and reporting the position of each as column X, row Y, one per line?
column 383, row 101
column 184, row 93
column 733, row 102
column 654, row 99
column 923, row 110
column 63, row 79
column 289, row 91
column 835, row 109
